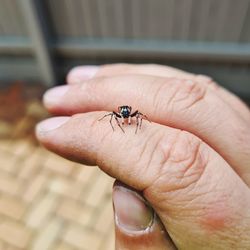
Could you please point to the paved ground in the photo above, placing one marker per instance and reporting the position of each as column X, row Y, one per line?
column 46, row 202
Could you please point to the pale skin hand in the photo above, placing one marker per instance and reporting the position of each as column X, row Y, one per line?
column 192, row 163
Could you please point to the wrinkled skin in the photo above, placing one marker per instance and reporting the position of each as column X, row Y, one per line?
column 191, row 164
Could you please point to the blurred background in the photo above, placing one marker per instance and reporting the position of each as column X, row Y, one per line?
column 47, row 202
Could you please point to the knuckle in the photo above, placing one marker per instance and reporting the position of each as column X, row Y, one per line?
column 161, row 92
column 175, row 94
column 186, row 95
column 149, row 156
column 207, row 82
column 185, row 148
column 187, row 160
column 203, row 78
column 183, row 162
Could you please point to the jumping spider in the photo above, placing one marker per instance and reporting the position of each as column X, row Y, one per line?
column 124, row 112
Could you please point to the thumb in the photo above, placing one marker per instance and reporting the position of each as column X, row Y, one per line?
column 136, row 224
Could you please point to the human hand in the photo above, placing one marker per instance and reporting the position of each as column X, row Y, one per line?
column 191, row 164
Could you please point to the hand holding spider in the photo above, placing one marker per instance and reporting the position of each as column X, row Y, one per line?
column 186, row 177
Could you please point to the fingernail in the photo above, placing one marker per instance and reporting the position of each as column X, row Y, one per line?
column 82, row 73
column 53, row 96
column 131, row 211
column 50, row 124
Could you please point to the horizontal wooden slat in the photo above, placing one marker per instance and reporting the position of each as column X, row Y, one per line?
column 15, row 45
column 126, row 48
column 19, row 68
column 175, row 49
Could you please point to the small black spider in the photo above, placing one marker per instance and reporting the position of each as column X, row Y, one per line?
column 124, row 112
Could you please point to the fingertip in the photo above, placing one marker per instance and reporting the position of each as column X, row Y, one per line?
column 136, row 220
column 49, row 124
column 136, row 224
column 81, row 73
column 52, row 97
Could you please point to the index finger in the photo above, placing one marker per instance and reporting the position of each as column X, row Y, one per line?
column 184, row 180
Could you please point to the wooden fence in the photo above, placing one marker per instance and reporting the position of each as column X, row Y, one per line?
column 41, row 40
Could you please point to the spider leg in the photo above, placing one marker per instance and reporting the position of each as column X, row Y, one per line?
column 137, row 122
column 129, row 120
column 106, row 116
column 110, row 121
column 111, row 118
column 144, row 117
column 140, row 122
column 135, row 113
column 116, row 115
column 118, row 123
column 140, row 116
